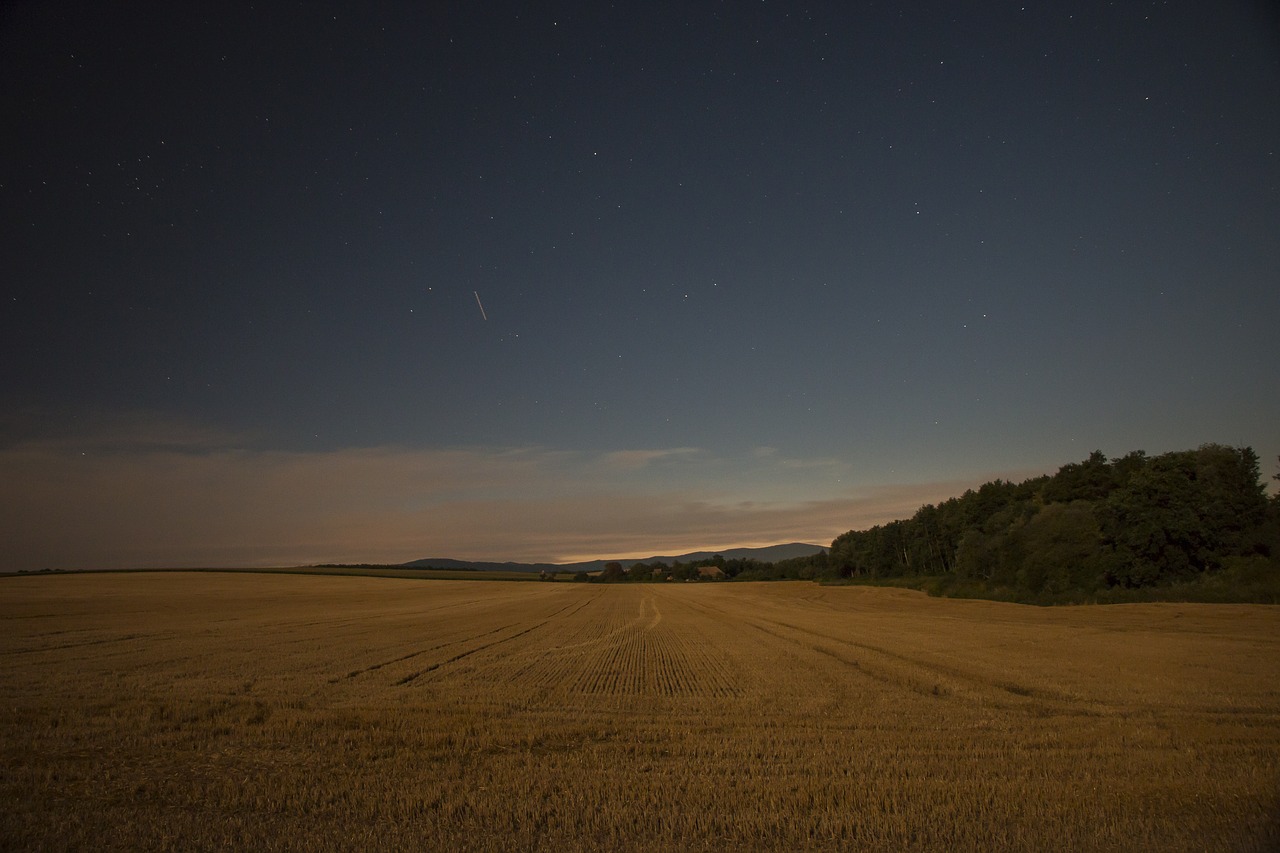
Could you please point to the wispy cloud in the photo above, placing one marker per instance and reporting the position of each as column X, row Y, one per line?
column 630, row 460
column 152, row 496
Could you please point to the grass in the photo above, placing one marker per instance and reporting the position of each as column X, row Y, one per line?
column 271, row 712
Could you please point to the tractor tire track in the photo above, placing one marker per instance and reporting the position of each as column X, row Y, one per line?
column 413, row 676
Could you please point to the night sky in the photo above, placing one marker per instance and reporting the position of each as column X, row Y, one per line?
column 312, row 282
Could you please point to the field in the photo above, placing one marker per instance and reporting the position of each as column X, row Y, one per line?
column 275, row 712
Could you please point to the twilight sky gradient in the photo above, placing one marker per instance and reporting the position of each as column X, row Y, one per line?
column 753, row 272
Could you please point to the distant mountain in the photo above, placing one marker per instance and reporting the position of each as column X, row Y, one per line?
column 770, row 554
column 475, row 565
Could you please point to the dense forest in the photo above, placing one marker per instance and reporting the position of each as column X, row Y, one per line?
column 1193, row 524
column 1192, row 517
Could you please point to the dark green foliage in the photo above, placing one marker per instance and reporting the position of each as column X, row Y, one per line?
column 659, row 571
column 1060, row 548
column 612, row 572
column 1182, row 514
column 813, row 567
column 639, row 572
column 1134, row 523
column 1090, row 480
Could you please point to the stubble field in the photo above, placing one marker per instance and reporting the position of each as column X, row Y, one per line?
column 235, row 711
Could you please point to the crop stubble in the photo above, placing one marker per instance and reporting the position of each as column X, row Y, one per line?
column 154, row 711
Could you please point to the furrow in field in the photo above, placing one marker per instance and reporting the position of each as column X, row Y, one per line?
column 433, row 667
column 922, row 677
column 101, row 641
column 644, row 654
column 416, row 653
column 965, row 680
column 413, row 676
column 699, row 658
column 527, row 670
column 463, row 627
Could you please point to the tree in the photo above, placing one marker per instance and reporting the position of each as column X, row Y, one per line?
column 640, row 572
column 684, row 571
column 1061, row 549
column 612, row 573
column 1090, row 480
column 1182, row 513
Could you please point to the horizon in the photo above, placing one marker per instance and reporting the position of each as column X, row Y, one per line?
column 515, row 562
column 879, row 507
column 647, row 557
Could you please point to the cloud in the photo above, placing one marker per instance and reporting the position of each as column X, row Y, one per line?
column 153, row 497
column 630, row 460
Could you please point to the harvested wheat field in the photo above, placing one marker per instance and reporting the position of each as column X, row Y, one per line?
column 236, row 711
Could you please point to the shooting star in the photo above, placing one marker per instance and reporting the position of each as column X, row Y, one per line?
column 481, row 304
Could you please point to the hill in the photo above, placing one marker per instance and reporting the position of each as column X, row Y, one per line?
column 769, row 554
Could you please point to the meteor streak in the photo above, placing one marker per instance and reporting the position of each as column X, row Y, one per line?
column 481, row 304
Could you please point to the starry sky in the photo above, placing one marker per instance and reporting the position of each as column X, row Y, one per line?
column 315, row 282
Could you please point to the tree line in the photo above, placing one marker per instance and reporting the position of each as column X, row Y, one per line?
column 709, row 569
column 1136, row 522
